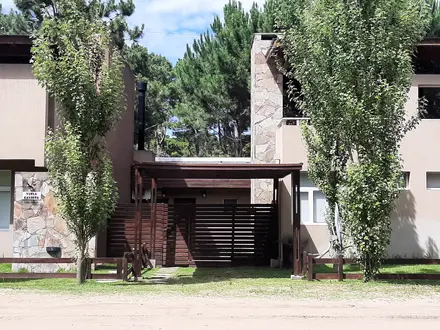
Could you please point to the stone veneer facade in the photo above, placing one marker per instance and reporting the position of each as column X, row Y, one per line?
column 266, row 113
column 37, row 225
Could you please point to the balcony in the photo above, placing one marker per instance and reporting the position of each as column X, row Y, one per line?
column 290, row 146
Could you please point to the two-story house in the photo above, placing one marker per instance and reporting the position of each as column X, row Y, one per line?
column 276, row 138
column 28, row 220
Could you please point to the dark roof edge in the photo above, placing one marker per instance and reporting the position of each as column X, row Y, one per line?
column 15, row 40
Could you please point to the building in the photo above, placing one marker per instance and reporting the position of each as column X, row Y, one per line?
column 28, row 219
column 276, row 138
column 216, row 190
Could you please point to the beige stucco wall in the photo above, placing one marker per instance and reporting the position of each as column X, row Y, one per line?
column 23, row 114
column 416, row 221
column 26, row 112
column 120, row 141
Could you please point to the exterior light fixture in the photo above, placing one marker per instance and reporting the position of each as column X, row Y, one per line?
column 204, row 194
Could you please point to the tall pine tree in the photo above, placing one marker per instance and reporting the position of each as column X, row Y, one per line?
column 213, row 83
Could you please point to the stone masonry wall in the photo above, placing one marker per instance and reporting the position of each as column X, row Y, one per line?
column 37, row 225
column 266, row 114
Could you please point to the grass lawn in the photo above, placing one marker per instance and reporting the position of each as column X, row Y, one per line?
column 238, row 282
column 5, row 268
column 385, row 269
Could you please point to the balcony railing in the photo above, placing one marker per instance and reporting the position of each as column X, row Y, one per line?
column 293, row 121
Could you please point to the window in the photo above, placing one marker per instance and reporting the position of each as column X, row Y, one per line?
column 405, row 181
column 5, row 199
column 304, row 207
column 230, row 201
column 319, row 207
column 433, row 180
column 430, row 95
column 313, row 202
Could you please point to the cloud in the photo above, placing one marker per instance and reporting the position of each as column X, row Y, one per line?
column 7, row 5
column 171, row 24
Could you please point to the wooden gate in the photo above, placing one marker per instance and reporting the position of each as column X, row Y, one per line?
column 200, row 235
column 226, row 235
column 120, row 230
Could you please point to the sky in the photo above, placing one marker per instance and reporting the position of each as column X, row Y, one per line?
column 171, row 24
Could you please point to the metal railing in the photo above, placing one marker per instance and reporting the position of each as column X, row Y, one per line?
column 293, row 121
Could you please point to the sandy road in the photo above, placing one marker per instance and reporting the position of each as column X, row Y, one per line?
column 27, row 310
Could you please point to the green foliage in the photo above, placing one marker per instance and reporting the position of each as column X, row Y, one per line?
column 434, row 24
column 84, row 188
column 176, row 147
column 73, row 61
column 113, row 13
column 213, row 83
column 13, row 23
column 157, row 72
column 353, row 62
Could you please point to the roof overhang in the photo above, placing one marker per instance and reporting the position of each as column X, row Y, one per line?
column 216, row 171
column 15, row 49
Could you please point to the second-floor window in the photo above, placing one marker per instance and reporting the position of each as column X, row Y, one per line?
column 431, row 96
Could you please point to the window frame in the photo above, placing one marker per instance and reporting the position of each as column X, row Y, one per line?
column 407, row 179
column 310, row 191
column 419, row 88
column 8, row 190
column 426, row 180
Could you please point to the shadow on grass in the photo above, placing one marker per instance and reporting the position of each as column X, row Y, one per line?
column 185, row 276
column 210, row 275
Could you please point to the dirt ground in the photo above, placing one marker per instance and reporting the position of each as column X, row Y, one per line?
column 27, row 310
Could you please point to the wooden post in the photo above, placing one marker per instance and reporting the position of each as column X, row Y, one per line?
column 137, row 262
column 233, row 234
column 340, row 267
column 124, row 268
column 296, row 222
column 304, row 270
column 277, row 244
column 310, row 267
column 136, row 222
column 280, row 235
column 153, row 217
column 119, row 269
column 88, row 268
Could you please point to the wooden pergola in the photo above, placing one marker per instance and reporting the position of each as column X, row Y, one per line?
column 164, row 170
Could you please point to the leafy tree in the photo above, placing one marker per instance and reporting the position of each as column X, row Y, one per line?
column 157, row 72
column 434, row 24
column 113, row 13
column 353, row 62
column 213, row 83
column 72, row 60
column 13, row 23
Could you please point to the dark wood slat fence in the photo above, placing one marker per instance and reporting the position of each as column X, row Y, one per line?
column 121, row 228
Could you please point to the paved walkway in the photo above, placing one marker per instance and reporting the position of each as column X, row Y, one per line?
column 163, row 275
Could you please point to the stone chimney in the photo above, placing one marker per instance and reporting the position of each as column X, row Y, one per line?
column 266, row 112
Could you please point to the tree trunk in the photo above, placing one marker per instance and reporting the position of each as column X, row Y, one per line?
column 81, row 266
column 237, row 140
